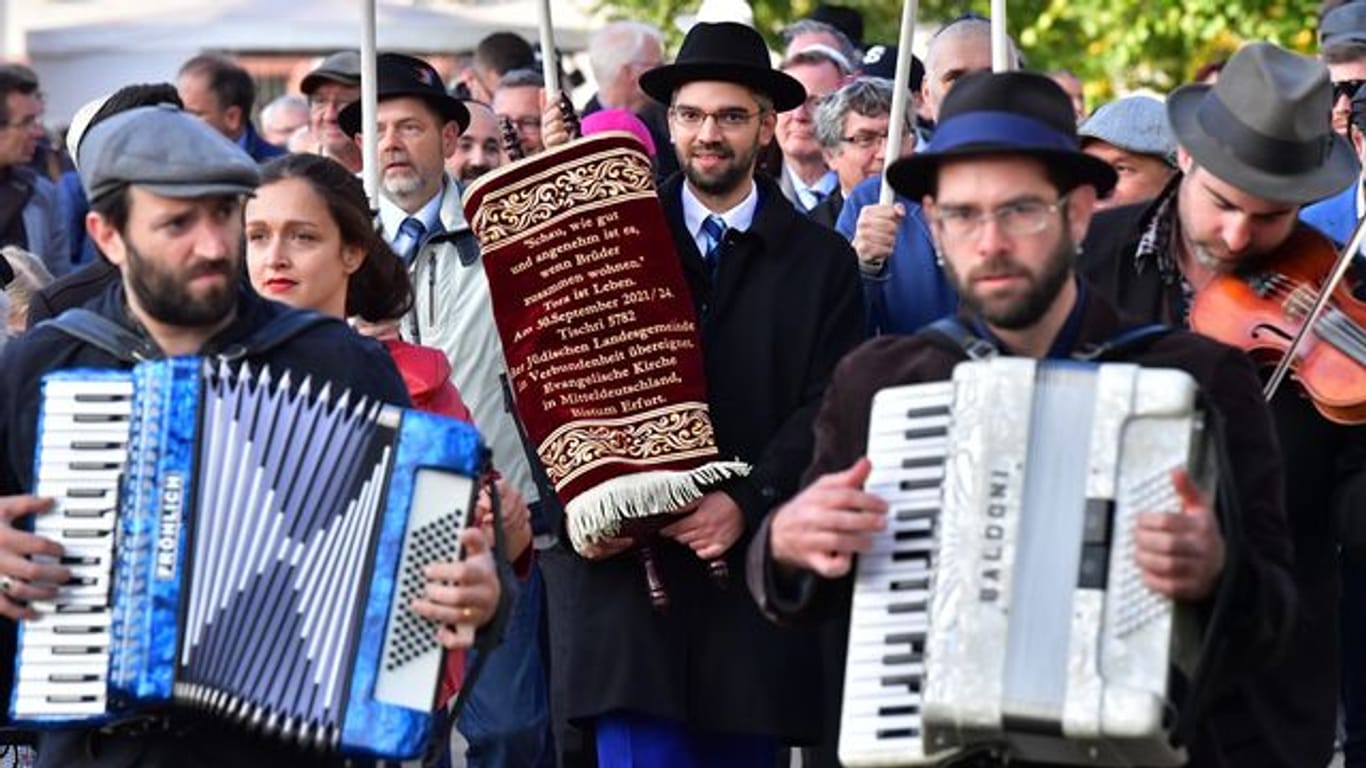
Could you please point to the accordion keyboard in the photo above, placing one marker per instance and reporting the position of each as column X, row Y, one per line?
column 65, row 651
column 907, row 442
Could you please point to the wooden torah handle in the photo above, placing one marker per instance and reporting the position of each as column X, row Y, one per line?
column 570, row 117
column 719, row 572
column 659, row 596
column 512, row 144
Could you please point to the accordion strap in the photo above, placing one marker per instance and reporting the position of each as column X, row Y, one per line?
column 283, row 329
column 107, row 335
column 955, row 334
column 103, row 333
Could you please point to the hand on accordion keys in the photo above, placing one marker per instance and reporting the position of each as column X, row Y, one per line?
column 824, row 526
column 463, row 594
column 28, row 570
column 1182, row 554
column 711, row 528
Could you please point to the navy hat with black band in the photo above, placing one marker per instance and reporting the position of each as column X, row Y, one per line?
column 1006, row 113
column 1265, row 127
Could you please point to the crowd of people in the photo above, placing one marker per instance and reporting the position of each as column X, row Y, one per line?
column 1046, row 228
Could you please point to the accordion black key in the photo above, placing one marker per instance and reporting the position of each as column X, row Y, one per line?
column 244, row 544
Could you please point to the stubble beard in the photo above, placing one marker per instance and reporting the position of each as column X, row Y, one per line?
column 1027, row 310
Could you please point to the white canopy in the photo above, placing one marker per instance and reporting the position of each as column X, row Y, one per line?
column 80, row 60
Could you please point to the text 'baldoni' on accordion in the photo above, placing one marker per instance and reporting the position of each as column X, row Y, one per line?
column 1003, row 609
column 246, row 545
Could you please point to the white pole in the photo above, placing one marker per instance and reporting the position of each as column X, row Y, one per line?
column 369, row 105
column 1000, row 38
column 550, row 69
column 901, row 96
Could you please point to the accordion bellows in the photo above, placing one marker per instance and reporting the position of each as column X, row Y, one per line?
column 1003, row 609
column 243, row 545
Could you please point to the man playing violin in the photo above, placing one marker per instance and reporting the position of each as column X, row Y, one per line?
column 1254, row 149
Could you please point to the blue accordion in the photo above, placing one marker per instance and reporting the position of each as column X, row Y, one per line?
column 245, row 544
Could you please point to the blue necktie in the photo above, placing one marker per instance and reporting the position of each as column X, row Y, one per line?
column 713, row 229
column 411, row 231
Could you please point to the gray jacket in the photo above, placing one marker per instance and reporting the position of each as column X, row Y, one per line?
column 452, row 312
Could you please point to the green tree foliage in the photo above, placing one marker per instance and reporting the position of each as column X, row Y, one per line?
column 1114, row 45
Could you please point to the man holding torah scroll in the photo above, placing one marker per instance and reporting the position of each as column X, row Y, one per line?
column 775, row 300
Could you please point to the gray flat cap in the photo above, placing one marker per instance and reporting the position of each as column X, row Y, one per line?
column 1344, row 24
column 341, row 67
column 169, row 152
column 1135, row 124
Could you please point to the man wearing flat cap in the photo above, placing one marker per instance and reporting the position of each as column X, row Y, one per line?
column 1131, row 134
column 1008, row 195
column 709, row 683
column 166, row 194
column 1253, row 149
column 331, row 87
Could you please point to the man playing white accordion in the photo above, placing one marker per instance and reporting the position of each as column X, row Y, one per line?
column 1009, row 196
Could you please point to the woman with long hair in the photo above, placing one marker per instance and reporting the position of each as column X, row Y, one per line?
column 312, row 244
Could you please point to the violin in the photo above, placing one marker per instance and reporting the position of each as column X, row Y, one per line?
column 1281, row 315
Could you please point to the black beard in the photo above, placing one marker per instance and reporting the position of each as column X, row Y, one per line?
column 471, row 172
column 164, row 297
column 729, row 180
column 1036, row 302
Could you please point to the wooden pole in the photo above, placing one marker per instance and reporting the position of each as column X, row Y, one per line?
column 901, row 97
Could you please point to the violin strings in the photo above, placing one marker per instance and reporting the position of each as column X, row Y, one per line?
column 1300, row 298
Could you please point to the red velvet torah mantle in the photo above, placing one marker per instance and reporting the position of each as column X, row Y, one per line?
column 599, row 332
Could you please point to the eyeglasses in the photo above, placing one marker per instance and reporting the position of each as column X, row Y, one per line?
column 1026, row 217
column 865, row 139
column 1346, row 88
column 528, row 123
column 726, row 119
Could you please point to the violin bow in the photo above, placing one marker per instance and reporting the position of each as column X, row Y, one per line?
column 1340, row 268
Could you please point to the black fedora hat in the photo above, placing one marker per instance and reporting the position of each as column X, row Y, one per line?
column 1266, row 127
column 1006, row 113
column 398, row 75
column 728, row 52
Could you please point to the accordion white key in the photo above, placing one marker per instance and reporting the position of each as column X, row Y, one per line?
column 244, row 546
column 1002, row 609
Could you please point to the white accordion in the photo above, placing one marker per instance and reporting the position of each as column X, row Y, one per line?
column 1002, row 609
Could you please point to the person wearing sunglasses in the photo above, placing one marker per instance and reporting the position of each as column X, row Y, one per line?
column 1342, row 47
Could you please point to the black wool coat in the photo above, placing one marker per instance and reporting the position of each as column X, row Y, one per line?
column 785, row 307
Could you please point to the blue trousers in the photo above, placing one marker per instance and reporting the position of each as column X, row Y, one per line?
column 634, row 740
column 506, row 718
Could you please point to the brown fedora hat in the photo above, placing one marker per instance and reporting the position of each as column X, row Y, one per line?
column 1265, row 127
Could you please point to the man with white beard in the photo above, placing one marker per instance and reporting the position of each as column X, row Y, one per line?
column 418, row 128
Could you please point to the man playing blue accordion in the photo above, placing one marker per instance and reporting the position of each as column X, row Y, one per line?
column 166, row 195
